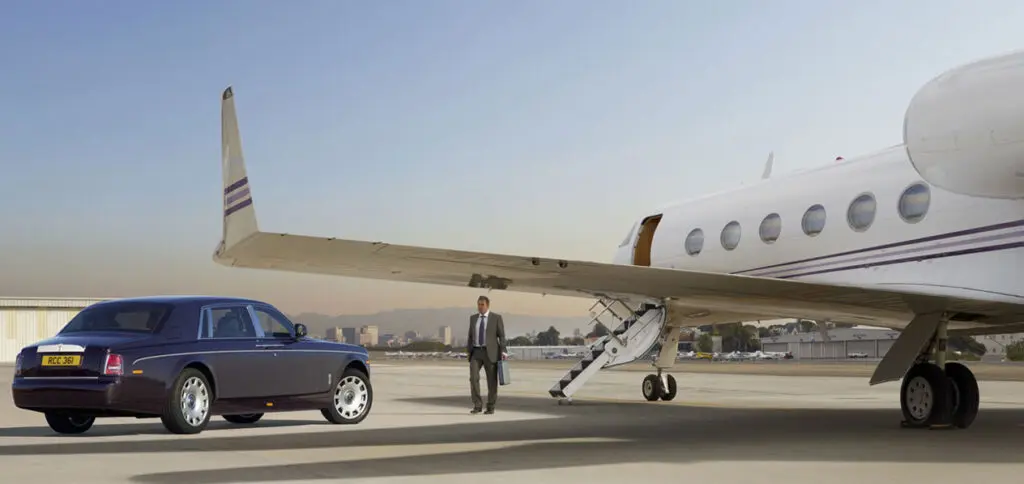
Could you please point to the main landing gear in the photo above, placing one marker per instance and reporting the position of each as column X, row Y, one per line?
column 937, row 394
column 661, row 386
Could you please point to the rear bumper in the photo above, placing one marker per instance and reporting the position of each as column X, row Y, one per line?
column 102, row 396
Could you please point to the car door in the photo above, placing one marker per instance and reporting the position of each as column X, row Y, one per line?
column 227, row 340
column 295, row 367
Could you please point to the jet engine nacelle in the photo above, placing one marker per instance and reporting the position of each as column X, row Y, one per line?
column 964, row 130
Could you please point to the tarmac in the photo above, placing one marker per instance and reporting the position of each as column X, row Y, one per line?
column 723, row 427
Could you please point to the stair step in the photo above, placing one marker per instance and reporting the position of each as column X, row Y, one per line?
column 575, row 373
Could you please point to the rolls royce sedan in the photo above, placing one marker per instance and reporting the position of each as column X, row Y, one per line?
column 185, row 358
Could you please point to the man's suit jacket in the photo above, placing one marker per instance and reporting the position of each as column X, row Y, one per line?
column 494, row 340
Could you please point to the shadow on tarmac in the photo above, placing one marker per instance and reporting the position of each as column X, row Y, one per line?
column 644, row 432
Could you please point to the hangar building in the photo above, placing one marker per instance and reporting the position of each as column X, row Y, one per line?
column 25, row 320
column 842, row 342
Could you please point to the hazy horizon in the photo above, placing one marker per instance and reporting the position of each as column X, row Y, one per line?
column 519, row 128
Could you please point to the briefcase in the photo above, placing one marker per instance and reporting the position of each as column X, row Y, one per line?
column 504, row 377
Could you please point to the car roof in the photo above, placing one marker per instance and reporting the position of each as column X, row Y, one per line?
column 183, row 299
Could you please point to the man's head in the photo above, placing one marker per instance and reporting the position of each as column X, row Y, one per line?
column 482, row 304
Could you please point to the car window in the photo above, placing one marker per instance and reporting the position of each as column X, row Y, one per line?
column 230, row 322
column 273, row 325
column 119, row 316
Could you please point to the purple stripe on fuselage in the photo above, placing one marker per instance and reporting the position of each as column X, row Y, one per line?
column 930, row 238
column 947, row 245
column 918, row 258
column 234, row 186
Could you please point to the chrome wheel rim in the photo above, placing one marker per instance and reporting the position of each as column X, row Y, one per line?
column 195, row 401
column 919, row 398
column 648, row 387
column 351, row 397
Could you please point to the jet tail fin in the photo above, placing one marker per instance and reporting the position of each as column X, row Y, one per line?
column 239, row 213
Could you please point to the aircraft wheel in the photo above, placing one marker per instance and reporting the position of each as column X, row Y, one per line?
column 67, row 423
column 245, row 418
column 652, row 388
column 925, row 396
column 669, row 392
column 965, row 394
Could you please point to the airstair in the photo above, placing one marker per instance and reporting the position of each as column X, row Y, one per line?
column 635, row 334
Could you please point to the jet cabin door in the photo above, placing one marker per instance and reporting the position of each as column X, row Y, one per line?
column 644, row 239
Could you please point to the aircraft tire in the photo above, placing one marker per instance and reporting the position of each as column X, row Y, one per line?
column 925, row 396
column 651, row 388
column 965, row 394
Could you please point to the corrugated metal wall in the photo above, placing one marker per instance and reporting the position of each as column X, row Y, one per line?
column 22, row 327
column 832, row 349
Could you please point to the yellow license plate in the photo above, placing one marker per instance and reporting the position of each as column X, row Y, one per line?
column 62, row 360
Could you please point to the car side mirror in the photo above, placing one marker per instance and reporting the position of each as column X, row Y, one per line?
column 300, row 331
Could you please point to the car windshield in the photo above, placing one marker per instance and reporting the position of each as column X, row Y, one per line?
column 122, row 317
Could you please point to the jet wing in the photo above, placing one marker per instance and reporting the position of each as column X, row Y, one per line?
column 244, row 245
column 702, row 291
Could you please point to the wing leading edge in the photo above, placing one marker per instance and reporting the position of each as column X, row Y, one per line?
column 243, row 245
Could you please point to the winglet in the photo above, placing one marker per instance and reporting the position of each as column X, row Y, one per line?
column 239, row 220
column 767, row 166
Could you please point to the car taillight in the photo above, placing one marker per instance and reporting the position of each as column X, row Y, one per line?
column 18, row 361
column 114, row 365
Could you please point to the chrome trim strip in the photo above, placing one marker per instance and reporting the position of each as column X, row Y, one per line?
column 219, row 352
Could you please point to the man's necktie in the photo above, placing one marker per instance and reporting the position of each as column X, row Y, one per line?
column 480, row 331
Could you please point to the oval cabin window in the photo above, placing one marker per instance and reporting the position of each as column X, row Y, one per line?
column 861, row 213
column 771, row 228
column 731, row 235
column 814, row 220
column 695, row 242
column 914, row 203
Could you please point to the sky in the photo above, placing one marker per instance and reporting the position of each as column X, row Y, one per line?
column 533, row 127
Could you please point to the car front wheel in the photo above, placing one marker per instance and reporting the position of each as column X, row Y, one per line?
column 351, row 399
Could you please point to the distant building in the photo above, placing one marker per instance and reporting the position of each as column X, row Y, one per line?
column 445, row 333
column 995, row 345
column 872, row 343
column 26, row 320
column 350, row 335
column 335, row 334
column 368, row 336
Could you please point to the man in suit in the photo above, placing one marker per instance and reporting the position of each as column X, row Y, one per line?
column 486, row 345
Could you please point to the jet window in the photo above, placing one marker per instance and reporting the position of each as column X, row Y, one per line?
column 814, row 220
column 694, row 242
column 731, row 235
column 771, row 228
column 861, row 213
column 914, row 203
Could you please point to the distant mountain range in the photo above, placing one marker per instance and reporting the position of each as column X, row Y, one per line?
column 426, row 322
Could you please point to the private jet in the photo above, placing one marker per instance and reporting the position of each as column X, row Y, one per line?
column 924, row 237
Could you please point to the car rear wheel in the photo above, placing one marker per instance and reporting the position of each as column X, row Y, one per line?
column 245, row 418
column 188, row 408
column 69, row 423
column 351, row 399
